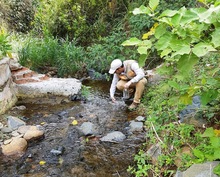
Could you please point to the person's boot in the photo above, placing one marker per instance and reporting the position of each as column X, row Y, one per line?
column 133, row 106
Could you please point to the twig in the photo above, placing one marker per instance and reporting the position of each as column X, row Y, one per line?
column 156, row 133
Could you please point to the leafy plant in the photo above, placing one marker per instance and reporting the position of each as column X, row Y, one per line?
column 5, row 47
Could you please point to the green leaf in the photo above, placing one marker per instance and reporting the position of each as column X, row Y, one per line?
column 188, row 17
column 215, row 142
column 165, row 52
column 168, row 13
column 142, row 50
column 141, row 10
column 174, row 84
column 180, row 46
column 199, row 154
column 160, row 30
column 217, row 154
column 142, row 59
column 186, row 63
column 209, row 132
column 186, row 99
column 208, row 96
column 216, row 37
column 164, row 41
column 153, row 4
column 201, row 49
column 146, row 43
column 207, row 16
column 131, row 42
column 216, row 170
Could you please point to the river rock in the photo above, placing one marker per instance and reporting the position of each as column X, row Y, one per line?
column 136, row 126
column 31, row 132
column 14, row 122
column 115, row 136
column 88, row 128
column 16, row 147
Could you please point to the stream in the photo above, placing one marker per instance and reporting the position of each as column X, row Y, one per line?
column 82, row 156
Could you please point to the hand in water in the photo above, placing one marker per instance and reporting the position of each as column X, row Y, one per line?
column 113, row 99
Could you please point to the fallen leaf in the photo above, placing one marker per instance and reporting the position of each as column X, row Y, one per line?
column 42, row 162
column 74, row 122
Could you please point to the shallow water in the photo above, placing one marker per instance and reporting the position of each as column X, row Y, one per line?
column 81, row 156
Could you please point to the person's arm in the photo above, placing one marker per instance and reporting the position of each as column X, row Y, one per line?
column 113, row 87
column 139, row 74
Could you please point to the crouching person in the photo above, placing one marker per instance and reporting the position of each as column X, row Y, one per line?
column 127, row 75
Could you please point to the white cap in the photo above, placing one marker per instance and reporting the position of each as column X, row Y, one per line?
column 115, row 65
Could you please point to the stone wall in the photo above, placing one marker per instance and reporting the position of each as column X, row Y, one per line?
column 8, row 90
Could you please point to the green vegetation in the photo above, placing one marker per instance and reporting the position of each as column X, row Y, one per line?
column 5, row 47
column 74, row 36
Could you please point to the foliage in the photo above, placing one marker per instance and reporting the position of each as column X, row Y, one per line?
column 189, row 35
column 38, row 54
column 186, row 40
column 18, row 14
column 5, row 47
column 108, row 48
column 209, row 150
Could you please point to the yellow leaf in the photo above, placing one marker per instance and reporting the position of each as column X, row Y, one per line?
column 42, row 123
column 151, row 32
column 61, row 161
column 217, row 132
column 42, row 162
column 74, row 122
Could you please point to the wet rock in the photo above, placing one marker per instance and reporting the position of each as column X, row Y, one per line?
column 6, row 130
column 57, row 151
column 15, row 147
column 14, row 122
column 140, row 119
column 88, row 128
column 136, row 126
column 63, row 114
column 115, row 136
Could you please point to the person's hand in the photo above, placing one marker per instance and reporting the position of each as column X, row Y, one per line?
column 113, row 99
column 127, row 85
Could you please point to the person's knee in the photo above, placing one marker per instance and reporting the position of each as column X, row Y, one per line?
column 120, row 86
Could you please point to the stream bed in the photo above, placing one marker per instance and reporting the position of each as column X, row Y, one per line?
column 82, row 156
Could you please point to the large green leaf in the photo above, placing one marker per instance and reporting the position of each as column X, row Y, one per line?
column 142, row 59
column 207, row 16
column 216, row 37
column 141, row 10
column 180, row 46
column 131, row 42
column 168, row 13
column 215, row 142
column 201, row 49
column 142, row 50
column 164, row 41
column 188, row 17
column 153, row 4
column 160, row 30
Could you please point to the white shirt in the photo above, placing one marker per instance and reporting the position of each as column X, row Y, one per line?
column 139, row 75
